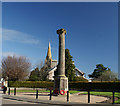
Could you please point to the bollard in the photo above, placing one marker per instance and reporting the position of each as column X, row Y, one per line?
column 4, row 89
column 88, row 96
column 50, row 94
column 9, row 91
column 113, row 97
column 67, row 96
column 36, row 94
column 14, row 91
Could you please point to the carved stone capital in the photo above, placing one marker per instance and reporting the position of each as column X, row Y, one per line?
column 60, row 31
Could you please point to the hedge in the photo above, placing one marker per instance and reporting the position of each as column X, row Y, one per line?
column 74, row 85
column 95, row 85
column 31, row 84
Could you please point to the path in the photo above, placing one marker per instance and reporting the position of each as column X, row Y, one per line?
column 73, row 97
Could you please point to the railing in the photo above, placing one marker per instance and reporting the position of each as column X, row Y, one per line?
column 68, row 97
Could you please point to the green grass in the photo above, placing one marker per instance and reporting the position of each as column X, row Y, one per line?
column 72, row 91
column 117, row 101
column 103, row 93
column 31, row 91
column 109, row 94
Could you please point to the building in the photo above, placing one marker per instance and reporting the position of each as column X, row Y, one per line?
column 48, row 61
column 52, row 65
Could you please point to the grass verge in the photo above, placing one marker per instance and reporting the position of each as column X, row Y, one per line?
column 108, row 94
column 40, row 91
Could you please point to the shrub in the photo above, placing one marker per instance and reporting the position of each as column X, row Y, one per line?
column 95, row 85
column 31, row 84
column 72, row 85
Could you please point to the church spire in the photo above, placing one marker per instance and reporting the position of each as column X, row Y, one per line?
column 49, row 52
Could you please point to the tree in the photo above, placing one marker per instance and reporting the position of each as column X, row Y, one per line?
column 43, row 74
column 98, row 71
column 34, row 75
column 108, row 76
column 40, row 73
column 69, row 65
column 0, row 73
column 15, row 68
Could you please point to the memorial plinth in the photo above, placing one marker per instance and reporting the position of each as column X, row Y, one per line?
column 61, row 81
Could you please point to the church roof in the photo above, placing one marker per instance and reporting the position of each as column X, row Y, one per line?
column 49, row 52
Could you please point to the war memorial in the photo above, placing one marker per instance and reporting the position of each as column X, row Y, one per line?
column 61, row 81
column 61, row 86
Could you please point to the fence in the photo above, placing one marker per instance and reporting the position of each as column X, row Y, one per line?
column 68, row 97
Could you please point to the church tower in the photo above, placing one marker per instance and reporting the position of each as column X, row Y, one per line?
column 48, row 60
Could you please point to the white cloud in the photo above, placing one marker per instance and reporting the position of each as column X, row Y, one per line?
column 16, row 36
column 5, row 54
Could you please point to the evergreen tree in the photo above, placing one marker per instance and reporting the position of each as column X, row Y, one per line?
column 39, row 75
column 43, row 74
column 98, row 71
column 69, row 66
column 34, row 75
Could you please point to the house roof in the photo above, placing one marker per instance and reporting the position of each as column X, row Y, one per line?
column 79, row 71
column 53, row 69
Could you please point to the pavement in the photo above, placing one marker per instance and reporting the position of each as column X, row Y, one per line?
column 43, row 98
column 63, row 98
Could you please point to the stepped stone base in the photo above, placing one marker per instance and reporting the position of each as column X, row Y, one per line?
column 61, row 83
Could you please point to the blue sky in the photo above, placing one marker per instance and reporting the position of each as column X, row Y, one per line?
column 92, row 31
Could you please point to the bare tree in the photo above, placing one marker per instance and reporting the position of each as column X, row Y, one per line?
column 15, row 68
column 40, row 64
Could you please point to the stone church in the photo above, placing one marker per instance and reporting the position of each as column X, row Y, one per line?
column 52, row 65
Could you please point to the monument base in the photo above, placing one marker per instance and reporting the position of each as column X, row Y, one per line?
column 60, row 83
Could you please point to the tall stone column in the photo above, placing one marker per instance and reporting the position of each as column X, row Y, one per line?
column 61, row 81
column 61, row 67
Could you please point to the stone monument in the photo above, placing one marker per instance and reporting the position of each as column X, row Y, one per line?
column 61, row 81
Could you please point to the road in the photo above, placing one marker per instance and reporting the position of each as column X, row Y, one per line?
column 8, row 102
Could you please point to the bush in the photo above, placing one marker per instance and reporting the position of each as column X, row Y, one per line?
column 72, row 85
column 31, row 84
column 95, row 85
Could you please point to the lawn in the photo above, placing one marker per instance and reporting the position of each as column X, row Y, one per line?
column 109, row 94
column 29, row 91
column 33, row 91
